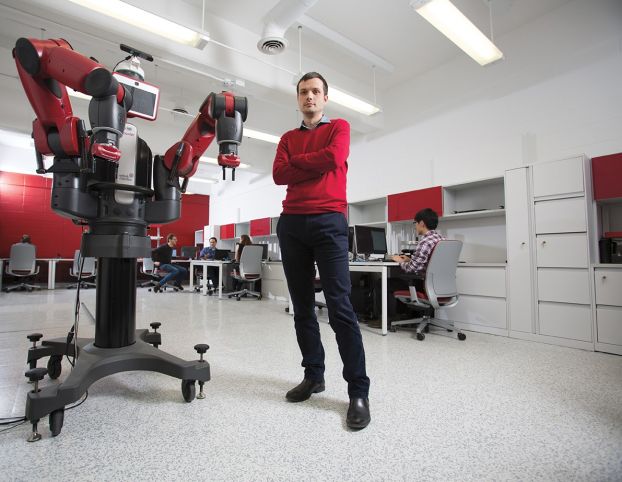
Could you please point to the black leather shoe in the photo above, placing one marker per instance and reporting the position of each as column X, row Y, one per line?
column 358, row 413
column 304, row 390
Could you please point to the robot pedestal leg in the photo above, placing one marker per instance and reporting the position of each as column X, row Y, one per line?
column 95, row 363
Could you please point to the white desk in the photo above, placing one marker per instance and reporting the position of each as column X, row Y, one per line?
column 383, row 269
column 370, row 267
column 205, row 264
column 51, row 269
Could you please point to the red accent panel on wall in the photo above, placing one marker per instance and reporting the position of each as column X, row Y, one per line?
column 194, row 216
column 404, row 206
column 227, row 231
column 25, row 208
column 260, row 227
column 607, row 177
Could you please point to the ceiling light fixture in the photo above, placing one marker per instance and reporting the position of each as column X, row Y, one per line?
column 262, row 136
column 342, row 98
column 205, row 181
column 452, row 23
column 147, row 21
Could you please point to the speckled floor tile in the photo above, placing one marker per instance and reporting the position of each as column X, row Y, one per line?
column 489, row 408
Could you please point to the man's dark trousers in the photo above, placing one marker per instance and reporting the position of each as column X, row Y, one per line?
column 322, row 238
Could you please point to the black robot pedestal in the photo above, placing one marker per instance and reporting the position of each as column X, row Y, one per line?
column 117, row 347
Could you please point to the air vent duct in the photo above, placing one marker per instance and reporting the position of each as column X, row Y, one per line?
column 277, row 21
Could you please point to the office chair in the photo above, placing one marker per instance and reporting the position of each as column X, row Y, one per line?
column 440, row 289
column 250, row 271
column 317, row 287
column 22, row 265
column 150, row 269
column 88, row 271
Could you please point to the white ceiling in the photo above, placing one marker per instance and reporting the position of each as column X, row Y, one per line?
column 390, row 29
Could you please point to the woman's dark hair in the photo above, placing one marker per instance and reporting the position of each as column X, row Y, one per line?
column 429, row 218
column 169, row 237
column 313, row 75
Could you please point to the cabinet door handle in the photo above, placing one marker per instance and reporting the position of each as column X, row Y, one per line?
column 604, row 277
column 523, row 243
column 543, row 243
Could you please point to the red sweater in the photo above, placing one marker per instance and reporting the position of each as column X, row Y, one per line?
column 313, row 164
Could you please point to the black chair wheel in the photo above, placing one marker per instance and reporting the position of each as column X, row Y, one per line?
column 420, row 336
column 55, row 366
column 56, row 419
column 393, row 329
column 287, row 309
column 237, row 298
column 188, row 390
column 461, row 336
column 259, row 297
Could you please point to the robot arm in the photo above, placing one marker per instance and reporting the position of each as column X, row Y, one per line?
column 45, row 67
column 220, row 116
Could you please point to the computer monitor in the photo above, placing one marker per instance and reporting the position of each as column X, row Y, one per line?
column 188, row 251
column 264, row 253
column 369, row 240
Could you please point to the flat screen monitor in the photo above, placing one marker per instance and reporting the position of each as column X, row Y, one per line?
column 369, row 240
column 188, row 251
column 264, row 253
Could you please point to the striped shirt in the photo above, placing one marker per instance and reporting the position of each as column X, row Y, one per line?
column 419, row 262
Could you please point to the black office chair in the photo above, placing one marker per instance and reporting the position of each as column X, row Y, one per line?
column 440, row 290
column 22, row 265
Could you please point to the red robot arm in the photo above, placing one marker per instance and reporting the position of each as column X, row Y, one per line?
column 220, row 116
column 45, row 67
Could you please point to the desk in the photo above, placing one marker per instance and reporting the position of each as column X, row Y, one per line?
column 51, row 269
column 370, row 267
column 383, row 269
column 205, row 264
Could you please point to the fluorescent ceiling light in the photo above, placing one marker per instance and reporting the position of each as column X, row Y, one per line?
column 211, row 160
column 262, row 136
column 452, row 23
column 339, row 97
column 146, row 21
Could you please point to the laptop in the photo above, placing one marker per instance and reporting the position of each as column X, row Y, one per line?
column 221, row 254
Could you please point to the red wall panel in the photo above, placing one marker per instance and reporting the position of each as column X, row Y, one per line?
column 25, row 209
column 404, row 206
column 607, row 176
column 260, row 227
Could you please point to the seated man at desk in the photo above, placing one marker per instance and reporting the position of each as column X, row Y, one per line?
column 162, row 257
column 209, row 253
column 426, row 222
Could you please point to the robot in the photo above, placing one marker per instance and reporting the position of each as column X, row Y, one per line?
column 107, row 178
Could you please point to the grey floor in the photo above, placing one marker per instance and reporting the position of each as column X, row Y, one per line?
column 489, row 408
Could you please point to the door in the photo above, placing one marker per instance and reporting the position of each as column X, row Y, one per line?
column 519, row 291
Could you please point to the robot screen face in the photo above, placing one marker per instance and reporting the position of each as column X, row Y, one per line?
column 145, row 97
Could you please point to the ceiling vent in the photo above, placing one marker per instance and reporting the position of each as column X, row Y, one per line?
column 277, row 21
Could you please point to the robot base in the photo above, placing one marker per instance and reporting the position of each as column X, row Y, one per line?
column 94, row 363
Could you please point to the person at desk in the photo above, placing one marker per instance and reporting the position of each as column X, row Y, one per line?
column 209, row 253
column 245, row 240
column 312, row 161
column 426, row 222
column 162, row 257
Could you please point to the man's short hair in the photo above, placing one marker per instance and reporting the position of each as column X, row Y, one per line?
column 214, row 238
column 25, row 238
column 313, row 75
column 169, row 237
column 429, row 218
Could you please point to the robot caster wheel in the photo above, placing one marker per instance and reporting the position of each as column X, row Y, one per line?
column 420, row 336
column 56, row 420
column 188, row 390
column 55, row 366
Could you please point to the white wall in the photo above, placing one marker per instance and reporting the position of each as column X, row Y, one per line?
column 556, row 94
